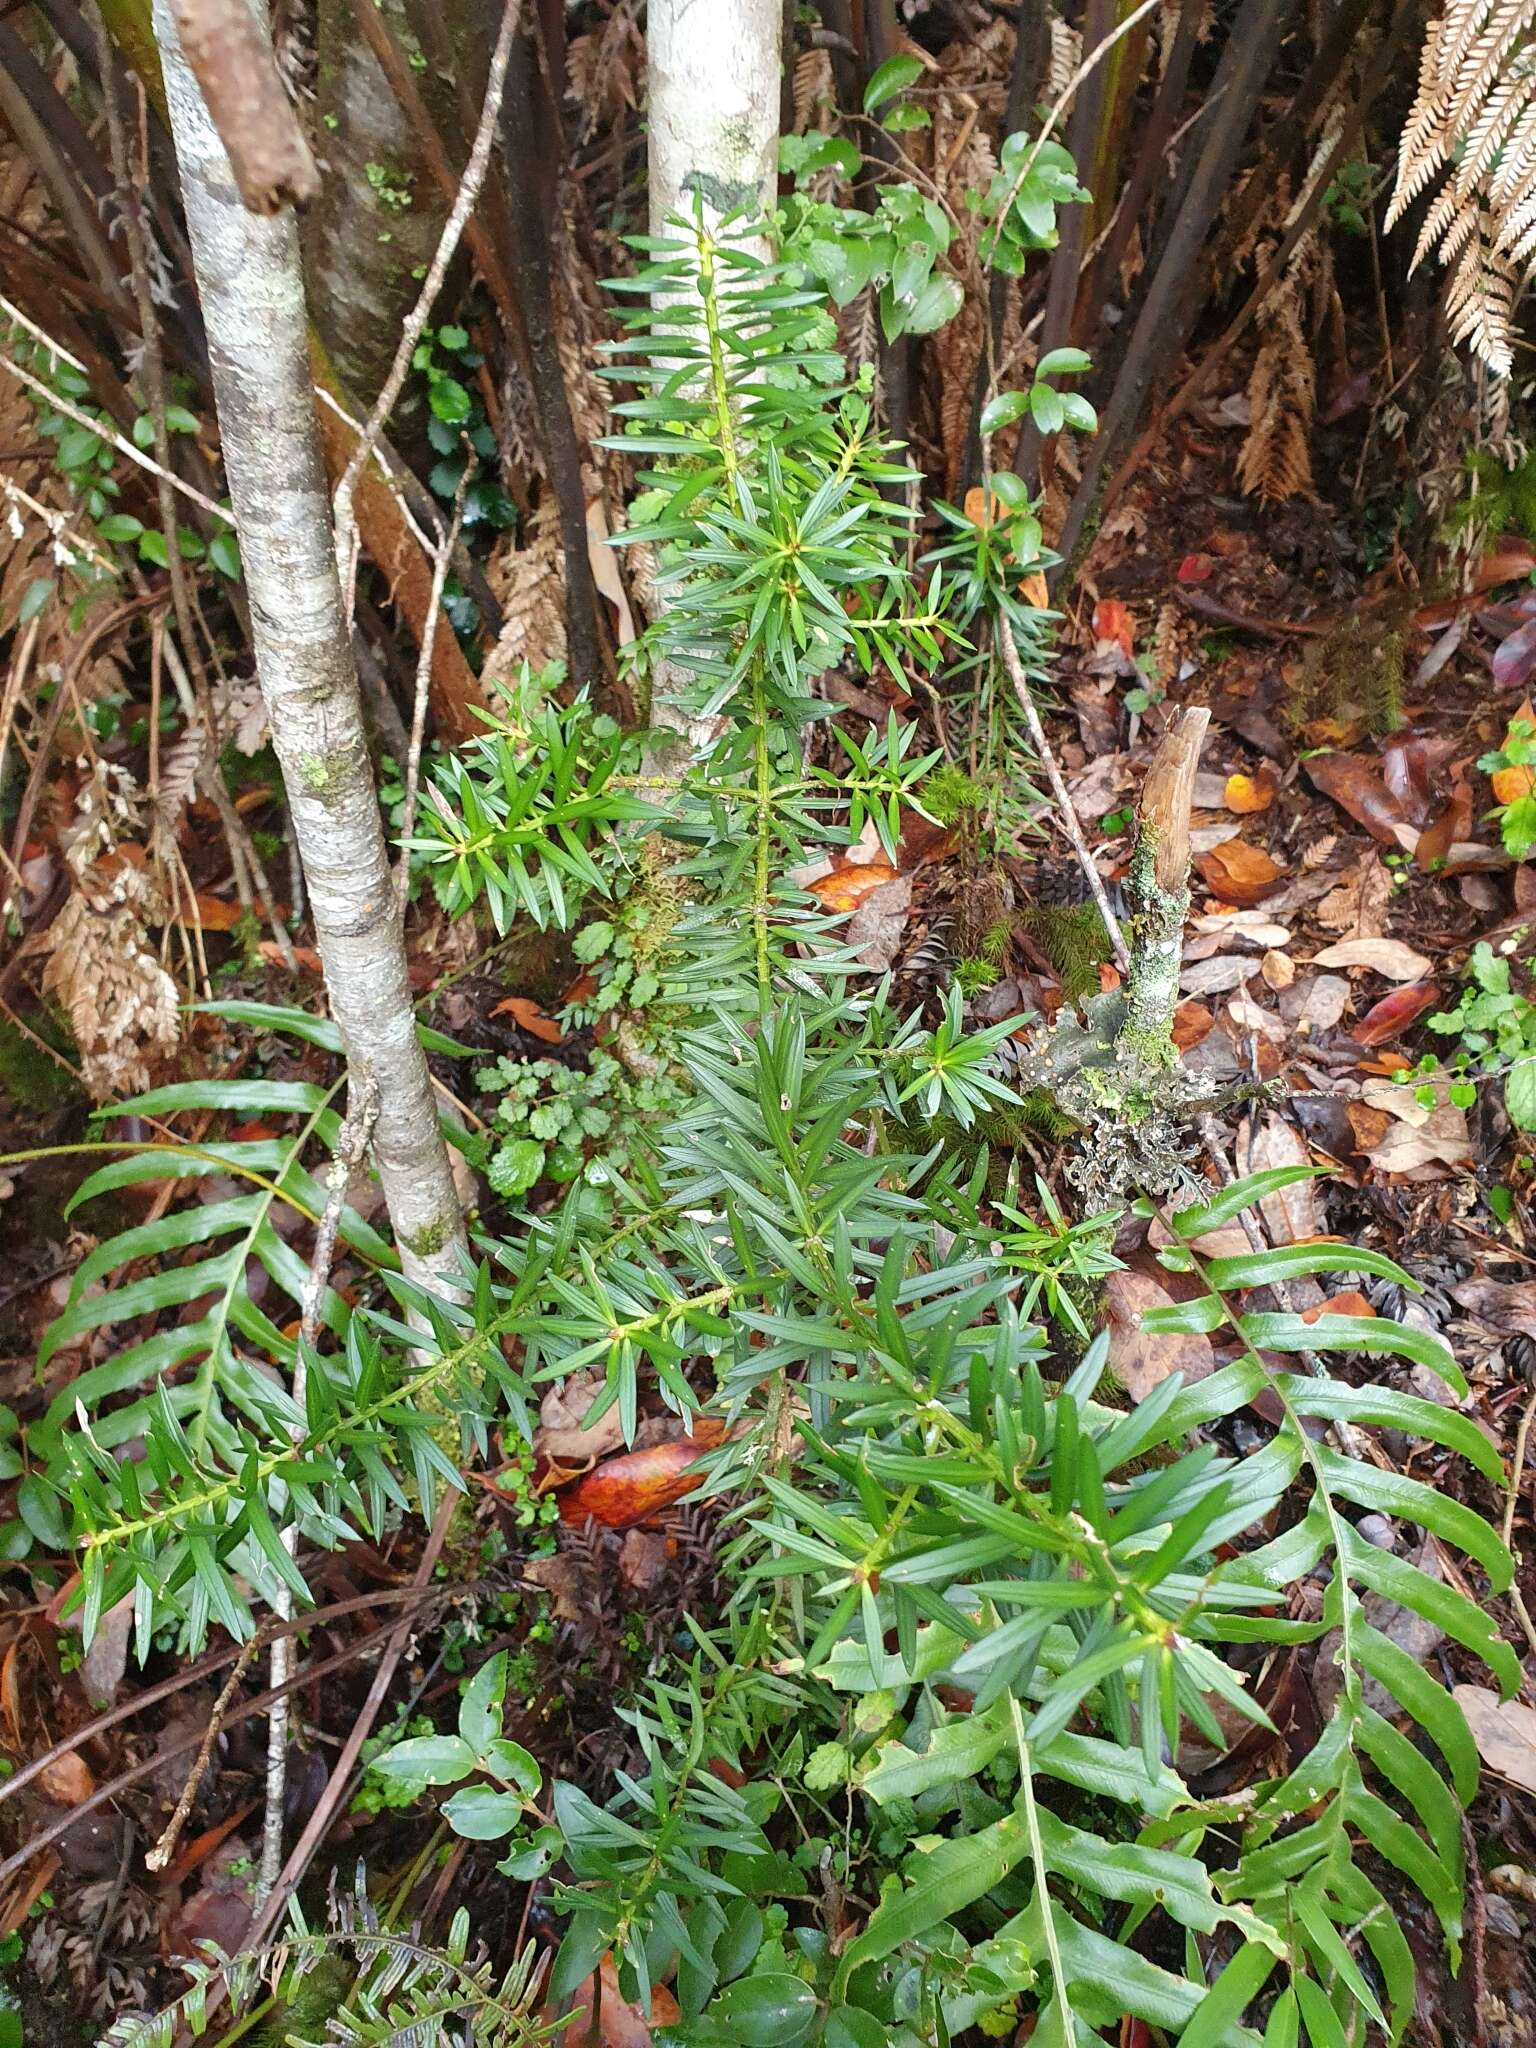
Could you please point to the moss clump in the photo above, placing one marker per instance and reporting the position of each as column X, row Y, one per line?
column 28, row 1077
column 1355, row 673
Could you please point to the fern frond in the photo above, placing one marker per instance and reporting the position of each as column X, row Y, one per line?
column 1475, row 109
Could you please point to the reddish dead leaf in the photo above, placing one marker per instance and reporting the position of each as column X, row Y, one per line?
column 622, row 1492
column 1195, row 568
column 1349, row 1303
column 1395, row 1012
column 1246, row 794
column 1112, row 622
column 583, row 988
column 527, row 1015
column 1355, row 786
column 69, row 1779
column 1192, row 1021
column 982, row 508
column 214, row 913
column 1033, row 590
column 1239, row 873
column 846, row 887
column 1509, row 562
column 1510, row 784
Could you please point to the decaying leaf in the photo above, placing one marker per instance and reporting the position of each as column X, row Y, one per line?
column 1387, row 957
column 1356, row 787
column 1504, row 1731
column 1294, row 1214
column 1511, row 784
column 564, row 1435
column 846, row 887
column 1140, row 1359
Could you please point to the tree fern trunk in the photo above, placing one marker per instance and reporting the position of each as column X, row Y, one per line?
column 251, row 290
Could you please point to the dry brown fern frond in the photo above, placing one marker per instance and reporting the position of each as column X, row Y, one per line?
column 1475, row 113
column 814, row 89
column 1066, row 55
column 1276, row 461
column 530, row 585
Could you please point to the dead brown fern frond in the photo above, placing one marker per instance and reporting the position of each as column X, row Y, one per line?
column 1474, row 114
column 1276, row 461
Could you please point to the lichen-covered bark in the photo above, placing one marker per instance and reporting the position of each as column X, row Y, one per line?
column 251, row 289
column 379, row 215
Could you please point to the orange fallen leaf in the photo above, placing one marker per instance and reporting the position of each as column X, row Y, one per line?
column 845, row 888
column 1239, row 873
column 1510, row 784
column 983, row 507
column 1349, row 1303
column 306, row 956
column 1033, row 590
column 201, row 1847
column 1192, row 1021
column 1111, row 621
column 1247, row 794
column 621, row 1492
column 527, row 1015
column 214, row 913
column 1452, row 826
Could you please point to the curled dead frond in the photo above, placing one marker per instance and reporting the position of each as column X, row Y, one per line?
column 1474, row 115
column 1276, row 461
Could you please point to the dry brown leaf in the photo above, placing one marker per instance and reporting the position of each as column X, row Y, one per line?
column 1291, row 1215
column 1504, row 1731
column 1441, row 1139
column 875, row 929
column 1389, row 958
column 1350, row 1303
column 1139, row 1359
column 1323, row 1001
column 1356, row 786
column 564, row 1434
column 1247, row 794
column 1239, row 873
column 1278, row 970
column 69, row 1779
column 619, row 2024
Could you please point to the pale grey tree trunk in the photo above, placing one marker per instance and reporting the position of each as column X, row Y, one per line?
column 251, row 289
column 712, row 112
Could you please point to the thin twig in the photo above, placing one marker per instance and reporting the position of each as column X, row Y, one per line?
column 340, row 1780
column 165, row 1848
column 98, row 427
column 1517, row 1469
column 351, row 1146
column 440, row 565
column 1069, row 818
column 410, row 334
column 260, row 1703
column 194, row 1674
